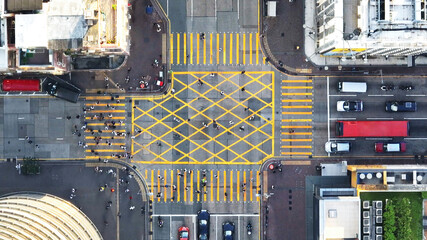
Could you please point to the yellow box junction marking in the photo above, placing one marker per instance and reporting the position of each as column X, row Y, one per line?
column 264, row 133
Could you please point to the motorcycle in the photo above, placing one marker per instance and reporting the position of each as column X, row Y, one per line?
column 388, row 87
column 406, row 87
column 249, row 228
column 160, row 221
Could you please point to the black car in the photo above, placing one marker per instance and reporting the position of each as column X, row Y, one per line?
column 228, row 230
column 56, row 90
column 401, row 106
column 203, row 224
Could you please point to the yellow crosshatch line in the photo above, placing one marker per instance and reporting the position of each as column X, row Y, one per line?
column 160, row 158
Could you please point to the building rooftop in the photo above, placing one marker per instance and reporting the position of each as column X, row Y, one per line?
column 339, row 218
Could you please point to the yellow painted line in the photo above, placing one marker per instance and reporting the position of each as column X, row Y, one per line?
column 296, row 120
column 225, row 185
column 299, row 94
column 198, row 185
column 178, row 195
column 297, row 140
column 102, row 124
column 244, row 48
column 244, row 181
column 296, row 87
column 295, row 146
column 218, row 186
column 297, row 81
column 158, row 184
column 106, row 150
column 171, row 47
column 238, row 186
column 297, row 106
column 105, row 144
column 164, row 186
column 257, row 185
column 105, row 104
column 185, row 185
column 108, row 118
column 290, row 126
column 93, row 138
column 172, row 185
column 224, row 49
column 296, row 153
column 185, row 48
column 108, row 111
column 211, row 191
column 102, row 98
column 177, row 51
column 237, row 48
column 210, row 47
column 191, row 48
column 231, row 186
column 297, row 133
column 297, row 113
column 108, row 131
column 204, row 51
column 198, row 49
column 231, row 48
column 252, row 186
column 297, row 100
column 152, row 185
column 263, row 60
column 204, row 190
column 257, row 46
column 250, row 48
column 146, row 174
column 191, row 186
column 217, row 48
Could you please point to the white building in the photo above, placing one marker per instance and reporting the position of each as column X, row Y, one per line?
column 364, row 28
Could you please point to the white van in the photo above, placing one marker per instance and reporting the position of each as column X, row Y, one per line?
column 358, row 87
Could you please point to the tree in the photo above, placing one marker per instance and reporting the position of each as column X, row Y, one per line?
column 404, row 219
column 30, row 166
column 389, row 222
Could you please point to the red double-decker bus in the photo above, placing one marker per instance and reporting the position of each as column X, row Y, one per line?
column 21, row 85
column 372, row 128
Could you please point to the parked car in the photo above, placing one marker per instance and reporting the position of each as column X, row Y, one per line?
column 390, row 147
column 203, row 224
column 337, row 147
column 228, row 230
column 183, row 233
column 349, row 106
column 401, row 106
column 56, row 90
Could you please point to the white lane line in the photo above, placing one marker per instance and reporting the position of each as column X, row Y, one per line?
column 415, row 138
column 338, row 119
column 329, row 111
column 191, row 12
column 343, row 139
column 343, row 95
column 213, row 215
column 391, row 95
column 415, row 118
column 416, row 95
column 383, row 139
column 194, row 232
column 379, row 118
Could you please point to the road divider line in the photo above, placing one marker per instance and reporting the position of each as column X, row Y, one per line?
column 343, row 95
column 379, row 118
column 415, row 95
column 297, row 81
column 295, row 146
column 297, row 140
column 415, row 118
column 337, row 119
column 296, row 153
column 298, row 113
column 379, row 95
column 415, row 138
column 298, row 106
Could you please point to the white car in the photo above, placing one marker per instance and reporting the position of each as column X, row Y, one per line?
column 337, row 147
column 349, row 106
